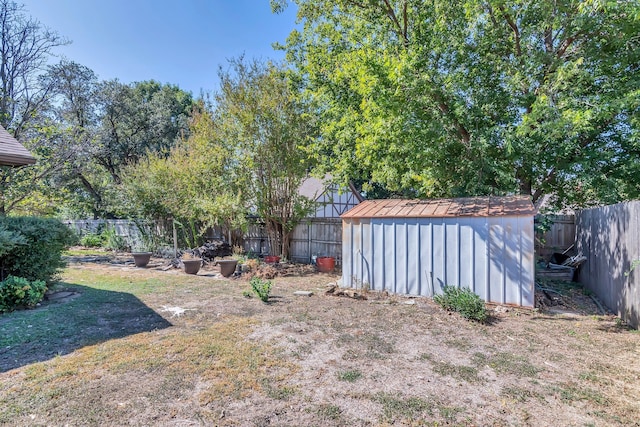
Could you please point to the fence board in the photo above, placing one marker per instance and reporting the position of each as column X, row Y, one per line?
column 608, row 237
column 319, row 237
column 560, row 236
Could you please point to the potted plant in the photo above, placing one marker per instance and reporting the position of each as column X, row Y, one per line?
column 326, row 264
column 141, row 259
column 271, row 259
column 227, row 266
column 191, row 263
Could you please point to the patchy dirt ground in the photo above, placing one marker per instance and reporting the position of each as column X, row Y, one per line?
column 154, row 347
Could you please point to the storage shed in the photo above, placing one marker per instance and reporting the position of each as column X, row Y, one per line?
column 416, row 247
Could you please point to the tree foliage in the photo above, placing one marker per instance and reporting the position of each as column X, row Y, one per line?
column 438, row 98
column 193, row 184
column 267, row 126
column 243, row 156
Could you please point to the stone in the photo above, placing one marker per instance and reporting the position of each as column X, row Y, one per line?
column 303, row 293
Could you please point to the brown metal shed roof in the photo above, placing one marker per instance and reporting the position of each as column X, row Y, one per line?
column 443, row 208
column 12, row 153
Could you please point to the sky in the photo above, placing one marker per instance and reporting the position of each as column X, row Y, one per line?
column 182, row 42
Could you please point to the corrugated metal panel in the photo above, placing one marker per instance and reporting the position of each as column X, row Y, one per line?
column 443, row 208
column 419, row 256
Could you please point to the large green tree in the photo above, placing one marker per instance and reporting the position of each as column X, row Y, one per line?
column 139, row 118
column 110, row 125
column 439, row 98
column 244, row 155
column 196, row 184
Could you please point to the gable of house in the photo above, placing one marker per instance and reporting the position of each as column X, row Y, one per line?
column 332, row 201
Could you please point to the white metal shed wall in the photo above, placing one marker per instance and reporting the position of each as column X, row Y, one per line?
column 493, row 256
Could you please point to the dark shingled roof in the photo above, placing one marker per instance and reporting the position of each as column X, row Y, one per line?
column 12, row 153
column 443, row 208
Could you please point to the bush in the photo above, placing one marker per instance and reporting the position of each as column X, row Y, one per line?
column 262, row 288
column 18, row 292
column 112, row 241
column 92, row 240
column 9, row 240
column 464, row 301
column 39, row 256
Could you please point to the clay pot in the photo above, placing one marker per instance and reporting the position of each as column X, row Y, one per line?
column 271, row 259
column 192, row 266
column 141, row 259
column 326, row 264
column 227, row 267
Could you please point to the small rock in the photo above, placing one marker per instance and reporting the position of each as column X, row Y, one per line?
column 303, row 293
column 501, row 309
column 410, row 302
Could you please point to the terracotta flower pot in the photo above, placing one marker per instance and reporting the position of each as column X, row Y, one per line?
column 192, row 266
column 326, row 264
column 227, row 266
column 141, row 259
column 271, row 259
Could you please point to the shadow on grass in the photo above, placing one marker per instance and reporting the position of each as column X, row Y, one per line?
column 62, row 326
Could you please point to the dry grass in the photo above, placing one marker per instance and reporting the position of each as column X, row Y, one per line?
column 118, row 354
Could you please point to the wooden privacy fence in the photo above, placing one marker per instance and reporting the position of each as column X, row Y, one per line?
column 560, row 236
column 609, row 237
column 313, row 237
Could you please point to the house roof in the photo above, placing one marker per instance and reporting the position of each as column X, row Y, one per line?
column 312, row 187
column 12, row 153
column 443, row 208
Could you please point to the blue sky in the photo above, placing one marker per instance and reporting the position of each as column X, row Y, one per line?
column 172, row 41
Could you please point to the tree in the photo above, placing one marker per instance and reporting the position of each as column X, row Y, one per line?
column 139, row 118
column 475, row 97
column 196, row 184
column 25, row 47
column 111, row 125
column 243, row 154
column 266, row 125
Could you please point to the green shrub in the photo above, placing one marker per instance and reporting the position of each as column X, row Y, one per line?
column 92, row 240
column 39, row 256
column 262, row 288
column 464, row 301
column 9, row 240
column 18, row 292
column 112, row 241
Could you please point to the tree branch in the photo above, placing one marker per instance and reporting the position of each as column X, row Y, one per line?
column 514, row 28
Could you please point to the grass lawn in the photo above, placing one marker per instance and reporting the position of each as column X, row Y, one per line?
column 131, row 346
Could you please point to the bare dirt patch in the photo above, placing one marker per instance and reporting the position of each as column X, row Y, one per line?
column 224, row 359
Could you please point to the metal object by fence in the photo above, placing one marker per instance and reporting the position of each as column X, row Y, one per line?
column 609, row 237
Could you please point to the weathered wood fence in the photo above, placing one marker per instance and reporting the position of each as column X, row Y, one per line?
column 313, row 237
column 609, row 237
column 560, row 236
